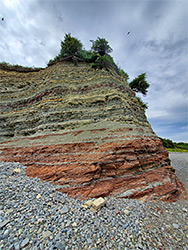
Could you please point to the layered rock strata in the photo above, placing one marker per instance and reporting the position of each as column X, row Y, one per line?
column 84, row 131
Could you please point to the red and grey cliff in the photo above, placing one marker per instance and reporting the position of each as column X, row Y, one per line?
column 85, row 131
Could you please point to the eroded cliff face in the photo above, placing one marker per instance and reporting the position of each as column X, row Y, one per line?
column 83, row 130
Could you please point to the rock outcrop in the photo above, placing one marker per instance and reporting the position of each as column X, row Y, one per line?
column 84, row 131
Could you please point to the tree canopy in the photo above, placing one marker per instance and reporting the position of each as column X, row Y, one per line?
column 101, row 46
column 98, row 57
column 71, row 46
column 139, row 84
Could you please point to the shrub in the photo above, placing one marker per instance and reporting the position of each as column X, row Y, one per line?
column 102, row 62
column 88, row 56
column 167, row 143
column 123, row 74
column 141, row 103
column 139, row 84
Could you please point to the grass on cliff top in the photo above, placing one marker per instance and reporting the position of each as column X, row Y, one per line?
column 17, row 68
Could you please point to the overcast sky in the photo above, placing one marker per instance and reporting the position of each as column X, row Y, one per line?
column 157, row 45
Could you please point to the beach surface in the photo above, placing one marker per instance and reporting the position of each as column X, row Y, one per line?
column 180, row 162
column 33, row 215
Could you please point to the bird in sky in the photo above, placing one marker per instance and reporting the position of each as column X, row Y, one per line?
column 2, row 19
column 128, row 33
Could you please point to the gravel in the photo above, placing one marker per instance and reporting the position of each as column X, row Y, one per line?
column 180, row 162
column 35, row 216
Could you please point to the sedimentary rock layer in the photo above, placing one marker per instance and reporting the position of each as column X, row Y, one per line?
column 83, row 130
column 62, row 97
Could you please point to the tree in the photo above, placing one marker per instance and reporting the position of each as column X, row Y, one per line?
column 139, row 84
column 101, row 46
column 70, row 47
column 167, row 143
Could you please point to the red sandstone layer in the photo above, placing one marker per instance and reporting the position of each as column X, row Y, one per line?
column 130, row 168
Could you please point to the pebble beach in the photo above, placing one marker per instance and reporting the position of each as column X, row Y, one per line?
column 33, row 215
column 180, row 162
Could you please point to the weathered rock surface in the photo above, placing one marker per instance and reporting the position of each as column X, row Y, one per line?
column 83, row 130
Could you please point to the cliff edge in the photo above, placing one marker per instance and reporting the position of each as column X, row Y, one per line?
column 83, row 130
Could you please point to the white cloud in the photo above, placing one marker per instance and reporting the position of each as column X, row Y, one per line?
column 157, row 45
column 12, row 4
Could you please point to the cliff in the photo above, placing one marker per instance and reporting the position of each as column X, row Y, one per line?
column 84, row 130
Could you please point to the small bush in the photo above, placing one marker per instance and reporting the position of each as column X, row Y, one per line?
column 88, row 56
column 141, row 103
column 139, row 84
column 123, row 74
column 102, row 62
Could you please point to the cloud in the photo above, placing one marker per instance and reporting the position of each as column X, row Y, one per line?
column 157, row 44
column 176, row 131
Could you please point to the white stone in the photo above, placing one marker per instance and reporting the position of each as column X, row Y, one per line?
column 74, row 224
column 17, row 170
column 98, row 203
column 38, row 196
column 84, row 206
column 126, row 212
column 93, row 209
column 88, row 203
column 46, row 234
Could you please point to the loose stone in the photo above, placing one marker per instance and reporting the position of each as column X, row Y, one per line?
column 64, row 210
column 3, row 223
column 36, row 225
column 46, row 234
column 25, row 242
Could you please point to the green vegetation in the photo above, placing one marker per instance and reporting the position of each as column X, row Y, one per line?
column 105, row 62
column 174, row 146
column 101, row 46
column 123, row 74
column 139, row 84
column 176, row 150
column 71, row 47
column 142, row 104
column 72, row 50
column 88, row 56
column 98, row 56
column 17, row 68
